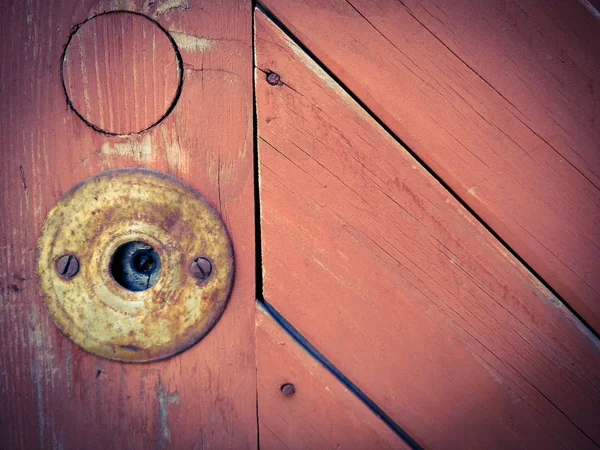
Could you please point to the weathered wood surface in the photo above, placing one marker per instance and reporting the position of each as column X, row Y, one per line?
column 385, row 273
column 500, row 99
column 322, row 414
column 121, row 72
column 52, row 394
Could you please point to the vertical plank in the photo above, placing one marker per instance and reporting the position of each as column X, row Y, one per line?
column 53, row 394
column 322, row 413
column 500, row 99
column 383, row 271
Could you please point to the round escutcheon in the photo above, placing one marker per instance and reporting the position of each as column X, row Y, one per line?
column 135, row 237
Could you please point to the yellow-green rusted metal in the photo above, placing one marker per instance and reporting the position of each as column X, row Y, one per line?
column 109, row 209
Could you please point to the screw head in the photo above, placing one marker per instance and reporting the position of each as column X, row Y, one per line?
column 201, row 268
column 288, row 389
column 273, row 79
column 67, row 266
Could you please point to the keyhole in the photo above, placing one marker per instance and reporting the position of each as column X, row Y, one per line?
column 143, row 262
column 135, row 266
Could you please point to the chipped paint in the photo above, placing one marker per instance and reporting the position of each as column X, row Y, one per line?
column 111, row 5
column 178, row 161
column 43, row 372
column 28, row 14
column 136, row 147
column 314, row 68
column 84, row 77
column 124, row 5
column 191, row 43
column 166, row 6
column 164, row 400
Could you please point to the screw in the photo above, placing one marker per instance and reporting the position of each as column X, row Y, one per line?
column 67, row 266
column 273, row 79
column 201, row 268
column 288, row 389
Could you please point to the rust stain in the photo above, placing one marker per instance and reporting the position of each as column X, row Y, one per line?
column 110, row 209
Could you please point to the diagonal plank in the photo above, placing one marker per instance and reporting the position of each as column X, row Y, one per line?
column 499, row 100
column 398, row 286
column 53, row 394
column 322, row 413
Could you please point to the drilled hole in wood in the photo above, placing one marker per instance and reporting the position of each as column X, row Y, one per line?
column 135, row 266
column 122, row 72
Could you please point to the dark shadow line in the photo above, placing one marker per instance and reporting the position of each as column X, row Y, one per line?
column 263, row 9
column 257, row 216
column 257, row 226
column 301, row 340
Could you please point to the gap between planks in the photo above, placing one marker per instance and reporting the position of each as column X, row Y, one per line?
column 265, row 10
column 332, row 369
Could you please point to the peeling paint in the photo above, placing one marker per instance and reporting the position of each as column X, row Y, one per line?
column 314, row 68
column 166, row 6
column 177, row 160
column 191, row 43
column 111, row 5
column 124, row 5
column 43, row 372
column 164, row 400
column 225, row 75
column 137, row 148
column 29, row 14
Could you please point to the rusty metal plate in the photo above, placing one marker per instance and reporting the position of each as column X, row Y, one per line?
column 155, row 225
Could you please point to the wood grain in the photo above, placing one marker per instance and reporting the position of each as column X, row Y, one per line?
column 52, row 394
column 121, row 72
column 322, row 413
column 399, row 286
column 500, row 99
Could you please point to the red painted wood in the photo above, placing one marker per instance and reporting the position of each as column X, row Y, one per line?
column 383, row 271
column 53, row 394
column 121, row 72
column 499, row 99
column 322, row 413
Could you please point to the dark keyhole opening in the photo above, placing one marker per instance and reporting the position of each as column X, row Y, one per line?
column 135, row 266
column 143, row 262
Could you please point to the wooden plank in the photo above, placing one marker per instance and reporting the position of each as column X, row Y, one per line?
column 322, row 413
column 409, row 296
column 52, row 394
column 500, row 100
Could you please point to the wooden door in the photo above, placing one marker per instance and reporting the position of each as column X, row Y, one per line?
column 411, row 193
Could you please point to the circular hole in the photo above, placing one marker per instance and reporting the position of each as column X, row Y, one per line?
column 135, row 266
column 122, row 72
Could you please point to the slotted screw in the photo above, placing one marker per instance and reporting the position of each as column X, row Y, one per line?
column 67, row 266
column 201, row 268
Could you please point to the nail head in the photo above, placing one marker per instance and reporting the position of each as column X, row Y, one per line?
column 273, row 79
column 288, row 389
